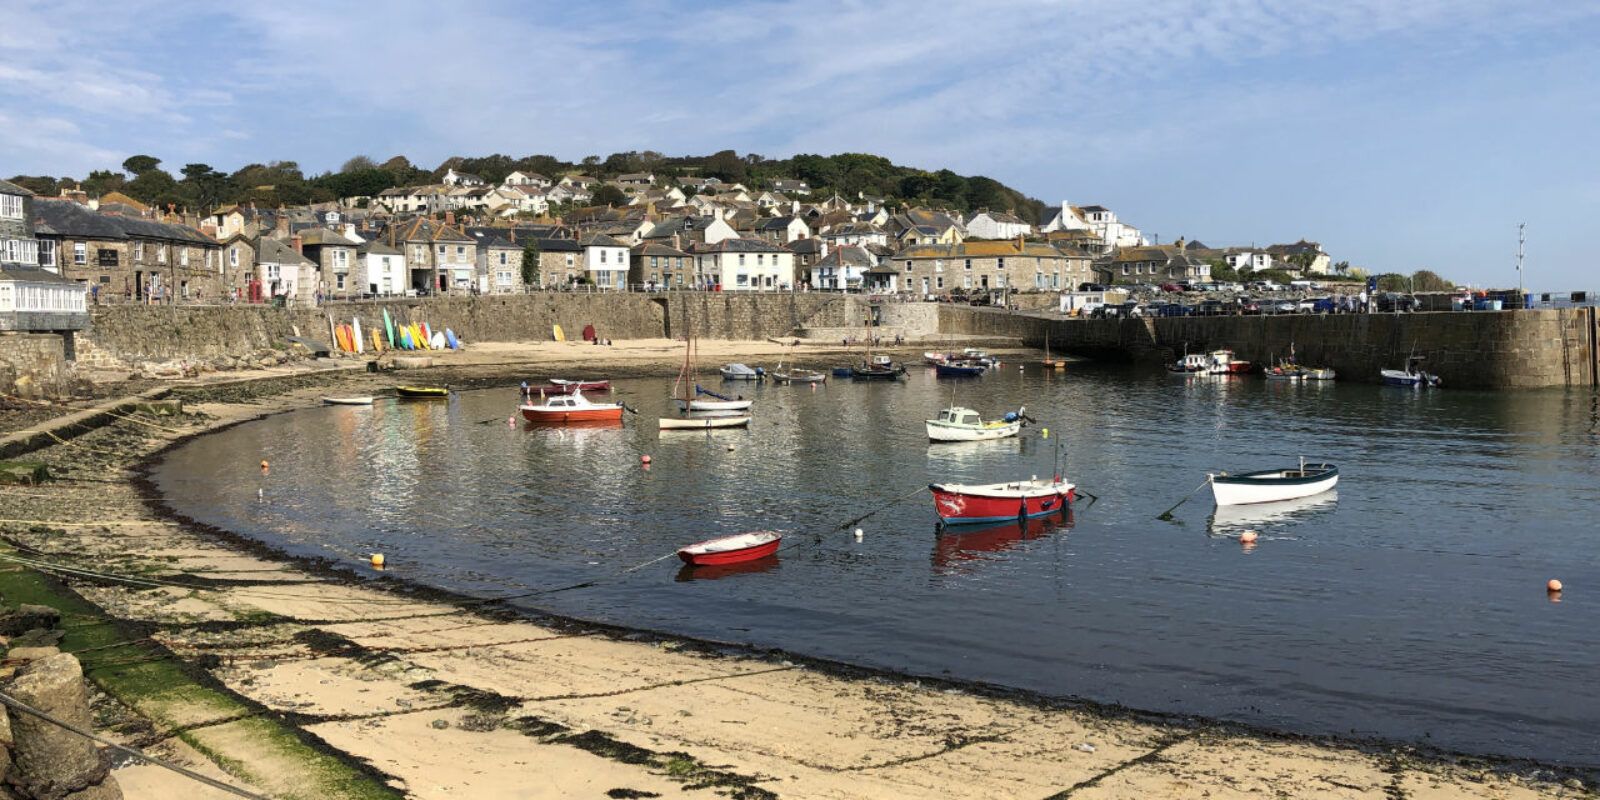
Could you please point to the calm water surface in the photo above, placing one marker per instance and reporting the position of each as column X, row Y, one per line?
column 1411, row 605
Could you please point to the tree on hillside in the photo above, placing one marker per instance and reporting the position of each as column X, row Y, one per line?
column 607, row 195
column 104, row 181
column 139, row 165
column 39, row 184
column 726, row 166
column 530, row 264
column 358, row 164
column 1220, row 271
column 154, row 186
column 1341, row 267
column 207, row 187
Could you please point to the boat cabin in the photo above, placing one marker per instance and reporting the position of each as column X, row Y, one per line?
column 960, row 416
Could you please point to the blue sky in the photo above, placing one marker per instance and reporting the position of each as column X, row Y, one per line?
column 1401, row 135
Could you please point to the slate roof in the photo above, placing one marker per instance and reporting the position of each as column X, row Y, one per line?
column 66, row 218
column 323, row 236
column 804, row 246
column 656, row 249
column 740, row 246
column 422, row 229
column 377, row 247
column 7, row 187
column 273, row 251
column 34, row 274
column 848, row 256
column 601, row 240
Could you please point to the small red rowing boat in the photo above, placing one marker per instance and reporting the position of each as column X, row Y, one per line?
column 998, row 502
column 557, row 386
column 732, row 549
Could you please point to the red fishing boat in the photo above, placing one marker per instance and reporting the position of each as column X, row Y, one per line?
column 732, row 549
column 996, row 502
column 571, row 408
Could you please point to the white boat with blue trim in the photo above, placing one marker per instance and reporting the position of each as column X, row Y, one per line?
column 1273, row 485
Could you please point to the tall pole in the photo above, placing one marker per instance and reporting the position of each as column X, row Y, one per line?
column 1522, row 237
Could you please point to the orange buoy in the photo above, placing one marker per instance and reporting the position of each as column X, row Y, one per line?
column 263, row 464
column 1554, row 585
column 377, row 559
column 644, row 459
column 1248, row 537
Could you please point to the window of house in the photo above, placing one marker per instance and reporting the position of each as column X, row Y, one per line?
column 80, row 253
column 908, row 266
column 233, row 256
column 161, row 254
column 939, row 282
column 208, row 258
column 47, row 252
column 602, row 256
column 569, row 260
column 1124, row 269
column 461, row 252
column 338, row 280
column 419, row 254
column 11, row 206
column 1000, row 264
column 183, row 256
column 741, row 260
column 138, row 251
column 441, row 252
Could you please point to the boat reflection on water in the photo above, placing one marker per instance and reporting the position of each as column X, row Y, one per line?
column 958, row 546
column 1231, row 519
column 691, row 572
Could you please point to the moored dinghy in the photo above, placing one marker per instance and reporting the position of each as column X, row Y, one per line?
column 732, row 549
column 997, row 502
column 1273, row 485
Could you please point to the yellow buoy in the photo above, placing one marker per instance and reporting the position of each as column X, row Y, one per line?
column 1554, row 585
column 263, row 464
column 377, row 559
column 1248, row 537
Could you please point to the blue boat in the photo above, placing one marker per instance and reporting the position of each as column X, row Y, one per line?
column 843, row 372
column 960, row 369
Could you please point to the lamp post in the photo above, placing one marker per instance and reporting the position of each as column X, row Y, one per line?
column 1521, row 238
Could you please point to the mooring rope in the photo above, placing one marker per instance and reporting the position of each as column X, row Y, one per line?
column 187, row 773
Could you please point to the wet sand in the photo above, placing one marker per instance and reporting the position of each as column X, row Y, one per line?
column 461, row 700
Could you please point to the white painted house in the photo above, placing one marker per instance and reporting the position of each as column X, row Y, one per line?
column 383, row 268
column 605, row 261
column 744, row 265
column 996, row 225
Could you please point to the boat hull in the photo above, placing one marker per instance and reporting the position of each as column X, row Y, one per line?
column 1395, row 377
column 876, row 373
column 949, row 432
column 347, row 401
column 712, row 405
column 704, row 423
column 731, row 549
column 1273, row 485
column 422, row 392
column 998, row 502
column 947, row 370
column 799, row 377
column 562, row 416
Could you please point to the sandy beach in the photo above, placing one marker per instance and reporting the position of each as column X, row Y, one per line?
column 434, row 698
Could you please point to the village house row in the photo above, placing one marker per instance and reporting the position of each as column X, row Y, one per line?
column 462, row 237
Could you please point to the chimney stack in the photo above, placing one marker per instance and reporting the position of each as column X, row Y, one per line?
column 298, row 242
column 281, row 231
column 449, row 217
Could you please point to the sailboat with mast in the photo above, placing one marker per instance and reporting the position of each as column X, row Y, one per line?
column 691, row 396
column 1051, row 363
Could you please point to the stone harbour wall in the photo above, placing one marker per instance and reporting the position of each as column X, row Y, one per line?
column 34, row 365
column 1506, row 349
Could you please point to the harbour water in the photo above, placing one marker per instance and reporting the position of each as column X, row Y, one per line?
column 1411, row 605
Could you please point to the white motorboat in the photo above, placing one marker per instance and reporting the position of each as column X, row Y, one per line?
column 958, row 424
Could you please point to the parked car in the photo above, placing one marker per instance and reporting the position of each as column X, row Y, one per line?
column 1171, row 287
column 1277, row 307
column 1325, row 305
column 1175, row 310
column 1395, row 301
column 1091, row 287
column 1211, row 308
column 1306, row 306
column 1248, row 306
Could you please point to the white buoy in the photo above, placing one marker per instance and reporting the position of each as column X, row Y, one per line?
column 859, row 534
